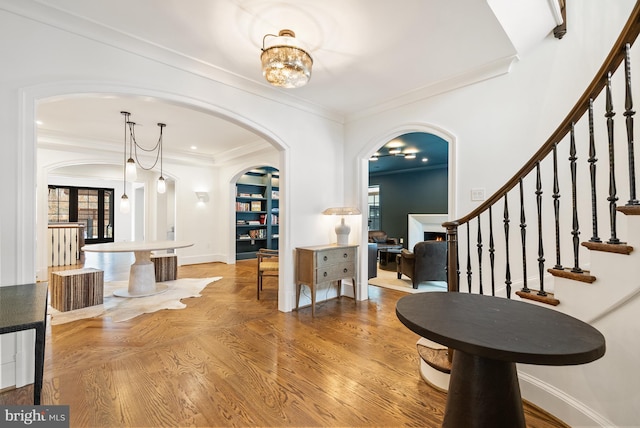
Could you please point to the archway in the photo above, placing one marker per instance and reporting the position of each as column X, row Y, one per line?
column 363, row 166
column 34, row 95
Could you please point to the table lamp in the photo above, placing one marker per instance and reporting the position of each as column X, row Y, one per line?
column 342, row 229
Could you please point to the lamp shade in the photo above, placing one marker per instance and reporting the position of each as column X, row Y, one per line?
column 285, row 63
column 341, row 211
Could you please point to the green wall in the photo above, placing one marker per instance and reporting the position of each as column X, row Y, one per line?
column 424, row 191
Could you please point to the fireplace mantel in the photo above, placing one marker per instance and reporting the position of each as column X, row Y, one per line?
column 420, row 223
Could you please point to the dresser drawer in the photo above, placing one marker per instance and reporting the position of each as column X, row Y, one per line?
column 335, row 272
column 335, row 255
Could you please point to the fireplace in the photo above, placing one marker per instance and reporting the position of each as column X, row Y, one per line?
column 420, row 224
column 435, row 236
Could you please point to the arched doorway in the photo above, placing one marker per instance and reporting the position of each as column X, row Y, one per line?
column 444, row 169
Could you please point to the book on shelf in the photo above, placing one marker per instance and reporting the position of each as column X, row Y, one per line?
column 275, row 194
column 243, row 206
column 256, row 206
column 253, row 222
column 258, row 234
column 241, row 222
column 256, row 195
column 244, row 195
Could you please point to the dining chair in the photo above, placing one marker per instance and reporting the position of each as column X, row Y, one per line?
column 267, row 265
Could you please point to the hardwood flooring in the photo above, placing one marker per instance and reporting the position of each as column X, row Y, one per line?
column 231, row 360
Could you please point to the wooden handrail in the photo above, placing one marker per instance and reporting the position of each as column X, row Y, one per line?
column 614, row 59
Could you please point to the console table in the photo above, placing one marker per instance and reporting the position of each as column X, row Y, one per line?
column 24, row 307
column 489, row 336
column 325, row 264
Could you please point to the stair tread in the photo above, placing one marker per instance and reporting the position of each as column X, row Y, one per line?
column 583, row 276
column 436, row 358
column 549, row 298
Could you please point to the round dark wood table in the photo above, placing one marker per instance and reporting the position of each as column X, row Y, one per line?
column 490, row 335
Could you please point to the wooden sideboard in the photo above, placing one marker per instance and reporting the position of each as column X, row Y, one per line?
column 325, row 264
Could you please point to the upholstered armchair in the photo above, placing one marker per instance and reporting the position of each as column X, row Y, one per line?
column 427, row 262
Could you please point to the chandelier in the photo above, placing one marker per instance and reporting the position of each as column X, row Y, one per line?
column 284, row 62
column 130, row 168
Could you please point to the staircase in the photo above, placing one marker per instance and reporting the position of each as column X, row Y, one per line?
column 538, row 238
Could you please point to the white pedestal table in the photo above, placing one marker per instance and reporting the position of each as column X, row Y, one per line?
column 142, row 276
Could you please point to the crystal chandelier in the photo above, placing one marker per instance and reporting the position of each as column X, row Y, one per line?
column 284, row 62
column 129, row 167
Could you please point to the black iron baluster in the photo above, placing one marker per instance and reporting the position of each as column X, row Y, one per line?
column 628, row 113
column 575, row 231
column 468, row 259
column 492, row 250
column 507, row 275
column 479, row 245
column 540, row 246
column 556, row 204
column 613, row 198
column 453, row 272
column 592, row 171
column 523, row 236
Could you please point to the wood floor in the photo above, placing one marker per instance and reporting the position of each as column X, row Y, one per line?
column 230, row 360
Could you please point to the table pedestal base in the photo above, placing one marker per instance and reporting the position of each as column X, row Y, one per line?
column 483, row 393
column 142, row 278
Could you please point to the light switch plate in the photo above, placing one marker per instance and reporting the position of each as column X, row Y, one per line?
column 477, row 195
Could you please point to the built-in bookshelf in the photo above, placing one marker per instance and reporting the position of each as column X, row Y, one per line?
column 257, row 212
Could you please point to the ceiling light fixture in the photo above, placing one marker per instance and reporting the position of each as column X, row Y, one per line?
column 410, row 153
column 285, row 63
column 129, row 167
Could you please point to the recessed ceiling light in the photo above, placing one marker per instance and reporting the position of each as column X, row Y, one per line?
column 395, row 143
column 38, row 122
column 410, row 156
column 424, row 159
column 394, row 151
column 194, row 147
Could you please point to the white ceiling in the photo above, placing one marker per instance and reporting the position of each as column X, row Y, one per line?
column 369, row 55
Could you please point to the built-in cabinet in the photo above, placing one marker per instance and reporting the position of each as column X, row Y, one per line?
column 257, row 212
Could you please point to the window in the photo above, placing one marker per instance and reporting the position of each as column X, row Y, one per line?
column 91, row 206
column 374, row 207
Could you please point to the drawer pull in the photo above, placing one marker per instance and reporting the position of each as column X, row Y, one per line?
column 345, row 270
column 345, row 255
column 325, row 258
column 324, row 274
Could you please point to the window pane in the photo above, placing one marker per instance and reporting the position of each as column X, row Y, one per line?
column 58, row 205
column 108, row 226
column 88, row 211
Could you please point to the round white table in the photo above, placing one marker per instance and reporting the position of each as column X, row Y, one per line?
column 142, row 276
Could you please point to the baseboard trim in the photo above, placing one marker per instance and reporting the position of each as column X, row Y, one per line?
column 559, row 404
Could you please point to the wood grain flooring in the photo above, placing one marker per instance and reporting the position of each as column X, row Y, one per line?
column 230, row 360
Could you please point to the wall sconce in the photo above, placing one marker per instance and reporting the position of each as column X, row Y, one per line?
column 202, row 197
column 342, row 229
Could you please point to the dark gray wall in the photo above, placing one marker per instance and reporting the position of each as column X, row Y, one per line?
column 411, row 192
